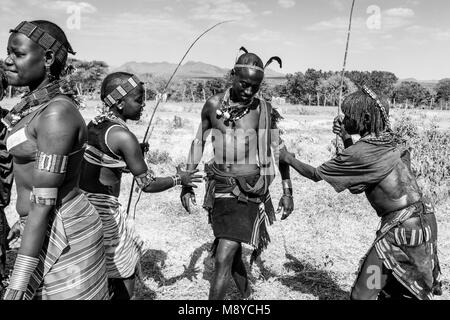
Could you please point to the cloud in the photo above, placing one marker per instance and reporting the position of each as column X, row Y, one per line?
column 7, row 6
column 395, row 18
column 338, row 24
column 286, row 3
column 218, row 10
column 338, row 5
column 139, row 26
column 267, row 13
column 400, row 12
column 264, row 35
column 390, row 19
column 64, row 6
column 413, row 2
column 433, row 33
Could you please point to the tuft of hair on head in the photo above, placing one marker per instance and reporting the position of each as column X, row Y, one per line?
column 250, row 59
column 272, row 59
column 112, row 81
column 243, row 49
column 357, row 104
column 56, row 32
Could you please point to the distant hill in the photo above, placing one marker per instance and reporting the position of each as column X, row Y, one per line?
column 189, row 70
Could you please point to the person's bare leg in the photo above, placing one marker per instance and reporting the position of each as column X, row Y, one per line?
column 371, row 280
column 239, row 274
column 225, row 253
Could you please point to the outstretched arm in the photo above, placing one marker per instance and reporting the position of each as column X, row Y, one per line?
column 307, row 170
column 304, row 169
column 125, row 143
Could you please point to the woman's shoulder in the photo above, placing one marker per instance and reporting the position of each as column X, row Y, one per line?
column 61, row 112
column 62, row 105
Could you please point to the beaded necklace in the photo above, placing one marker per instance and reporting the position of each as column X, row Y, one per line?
column 31, row 102
column 109, row 115
column 233, row 111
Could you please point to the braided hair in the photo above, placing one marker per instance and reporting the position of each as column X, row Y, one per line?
column 360, row 103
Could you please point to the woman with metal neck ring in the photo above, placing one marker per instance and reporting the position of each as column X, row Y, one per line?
column 62, row 232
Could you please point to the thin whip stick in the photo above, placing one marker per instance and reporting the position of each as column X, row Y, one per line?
column 343, row 67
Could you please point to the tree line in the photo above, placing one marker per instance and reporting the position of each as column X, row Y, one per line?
column 313, row 87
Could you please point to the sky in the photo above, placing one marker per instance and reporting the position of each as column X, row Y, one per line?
column 408, row 37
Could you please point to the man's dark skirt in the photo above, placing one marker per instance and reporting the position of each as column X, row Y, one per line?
column 240, row 221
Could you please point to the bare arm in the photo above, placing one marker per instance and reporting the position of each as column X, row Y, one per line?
column 303, row 168
column 198, row 144
column 56, row 134
column 196, row 153
column 287, row 201
column 126, row 144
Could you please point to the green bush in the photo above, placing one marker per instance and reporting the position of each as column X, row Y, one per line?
column 430, row 151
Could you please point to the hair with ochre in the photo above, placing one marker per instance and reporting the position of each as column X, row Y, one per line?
column 58, row 66
column 357, row 104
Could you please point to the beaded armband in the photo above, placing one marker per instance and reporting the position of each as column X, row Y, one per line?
column 44, row 196
column 287, row 184
column 176, row 180
column 287, row 187
column 144, row 179
column 53, row 163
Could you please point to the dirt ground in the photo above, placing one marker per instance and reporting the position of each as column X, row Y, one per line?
column 314, row 254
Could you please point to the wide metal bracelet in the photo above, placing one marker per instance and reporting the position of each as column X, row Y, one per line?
column 23, row 269
column 54, row 163
column 144, row 179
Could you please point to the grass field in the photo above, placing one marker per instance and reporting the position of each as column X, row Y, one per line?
column 314, row 254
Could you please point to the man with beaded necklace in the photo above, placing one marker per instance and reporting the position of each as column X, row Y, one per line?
column 245, row 140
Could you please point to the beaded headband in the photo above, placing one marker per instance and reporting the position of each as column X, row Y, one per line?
column 121, row 91
column 248, row 66
column 44, row 39
column 380, row 106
